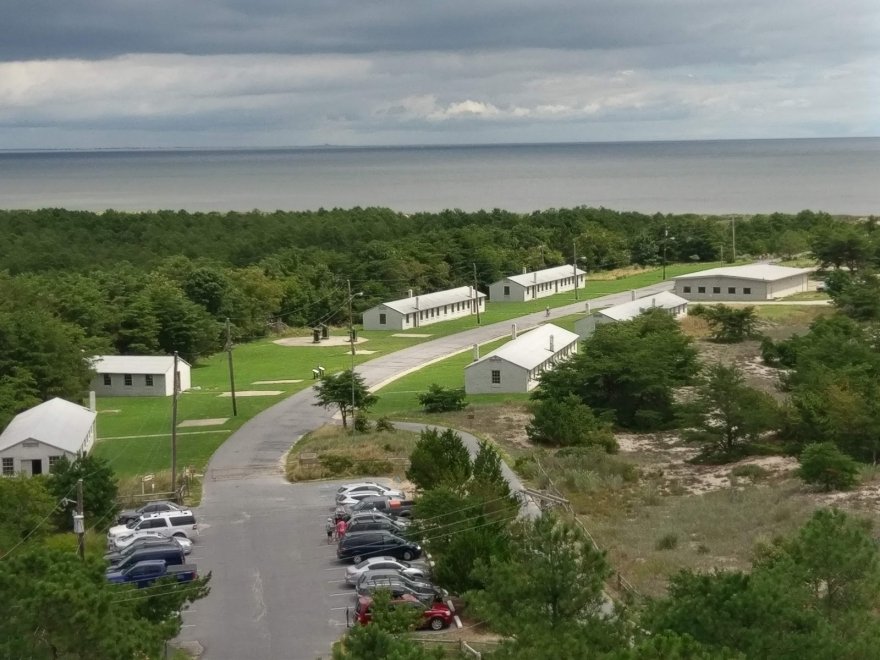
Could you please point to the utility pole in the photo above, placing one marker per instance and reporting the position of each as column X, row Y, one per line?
column 476, row 294
column 722, row 254
column 231, row 371
column 665, row 241
column 174, row 426
column 78, row 521
column 574, row 265
column 733, row 232
column 351, row 339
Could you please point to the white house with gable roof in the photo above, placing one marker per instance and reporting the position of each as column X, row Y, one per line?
column 138, row 375
column 675, row 305
column 537, row 284
column 416, row 311
column 517, row 366
column 751, row 282
column 37, row 438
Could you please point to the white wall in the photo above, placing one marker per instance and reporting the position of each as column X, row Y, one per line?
column 519, row 293
column 759, row 288
column 23, row 456
column 393, row 320
column 162, row 386
column 478, row 377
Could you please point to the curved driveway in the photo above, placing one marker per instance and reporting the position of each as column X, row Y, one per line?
column 263, row 537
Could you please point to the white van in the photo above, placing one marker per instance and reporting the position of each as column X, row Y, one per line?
column 166, row 523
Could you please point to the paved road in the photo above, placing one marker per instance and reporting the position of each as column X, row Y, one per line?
column 263, row 536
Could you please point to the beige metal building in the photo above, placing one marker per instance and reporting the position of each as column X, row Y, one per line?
column 742, row 283
column 517, row 366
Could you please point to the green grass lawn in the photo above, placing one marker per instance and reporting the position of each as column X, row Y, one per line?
column 135, row 432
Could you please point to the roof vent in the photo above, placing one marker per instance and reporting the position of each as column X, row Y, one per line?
column 552, row 349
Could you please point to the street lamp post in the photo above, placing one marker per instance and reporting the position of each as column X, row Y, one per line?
column 665, row 241
column 351, row 341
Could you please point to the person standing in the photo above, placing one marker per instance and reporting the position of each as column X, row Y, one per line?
column 341, row 526
column 330, row 527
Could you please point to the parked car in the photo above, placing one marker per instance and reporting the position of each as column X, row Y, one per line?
column 114, row 558
column 361, row 545
column 159, row 506
column 353, row 573
column 435, row 616
column 390, row 506
column 145, row 573
column 398, row 585
column 169, row 523
column 368, row 521
column 146, row 536
column 350, row 499
column 170, row 553
column 367, row 487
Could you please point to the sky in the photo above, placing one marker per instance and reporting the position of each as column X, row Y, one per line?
column 273, row 73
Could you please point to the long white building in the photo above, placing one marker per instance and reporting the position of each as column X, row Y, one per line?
column 417, row 311
column 751, row 282
column 537, row 284
column 666, row 300
column 517, row 366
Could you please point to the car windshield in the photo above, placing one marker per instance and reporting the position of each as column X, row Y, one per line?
column 132, row 523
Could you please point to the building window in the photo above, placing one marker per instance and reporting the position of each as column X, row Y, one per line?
column 382, row 319
column 444, row 310
column 8, row 467
column 52, row 461
column 127, row 380
column 716, row 289
column 701, row 289
column 507, row 291
column 747, row 291
column 687, row 289
column 107, row 380
column 407, row 318
column 731, row 289
column 496, row 377
column 148, row 380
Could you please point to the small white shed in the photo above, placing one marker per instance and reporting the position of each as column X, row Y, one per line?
column 517, row 366
column 537, row 284
column 138, row 375
column 37, row 438
column 675, row 305
column 752, row 282
column 416, row 311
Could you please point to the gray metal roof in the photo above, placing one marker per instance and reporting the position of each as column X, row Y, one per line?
column 544, row 276
column 429, row 300
column 762, row 272
column 56, row 422
column 630, row 310
column 533, row 347
column 134, row 364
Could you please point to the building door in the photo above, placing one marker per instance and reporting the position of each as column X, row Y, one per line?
column 36, row 467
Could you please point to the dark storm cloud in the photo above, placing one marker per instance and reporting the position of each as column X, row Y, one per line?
column 659, row 32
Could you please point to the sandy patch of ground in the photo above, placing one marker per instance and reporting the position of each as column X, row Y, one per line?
column 364, row 351
column 276, row 382
column 307, row 341
column 110, row 411
column 215, row 421
column 252, row 393
column 665, row 456
column 409, row 334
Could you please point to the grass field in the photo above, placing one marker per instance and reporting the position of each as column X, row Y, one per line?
column 135, row 433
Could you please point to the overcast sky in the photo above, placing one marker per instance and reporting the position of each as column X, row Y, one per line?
column 214, row 73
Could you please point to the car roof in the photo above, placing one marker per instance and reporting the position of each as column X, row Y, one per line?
column 167, row 514
column 404, row 598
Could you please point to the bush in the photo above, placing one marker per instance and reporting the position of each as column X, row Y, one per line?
column 750, row 471
column 667, row 542
column 384, row 424
column 569, row 422
column 335, row 463
column 440, row 399
column 362, row 424
column 824, row 464
column 373, row 466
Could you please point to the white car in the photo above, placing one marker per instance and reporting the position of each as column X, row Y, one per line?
column 167, row 523
column 353, row 493
column 354, row 573
column 123, row 542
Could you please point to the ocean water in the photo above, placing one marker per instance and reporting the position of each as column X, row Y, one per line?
column 731, row 176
